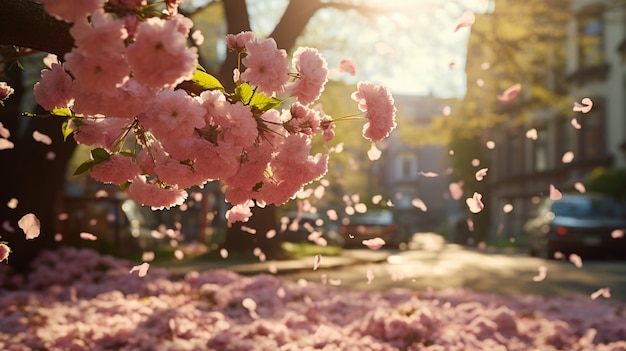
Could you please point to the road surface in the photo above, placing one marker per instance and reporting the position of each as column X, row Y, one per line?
column 432, row 263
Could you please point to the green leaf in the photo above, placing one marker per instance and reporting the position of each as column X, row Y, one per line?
column 124, row 185
column 99, row 154
column 62, row 112
column 206, row 81
column 66, row 130
column 84, row 167
column 248, row 96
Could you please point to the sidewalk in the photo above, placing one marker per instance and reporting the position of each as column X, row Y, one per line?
column 347, row 258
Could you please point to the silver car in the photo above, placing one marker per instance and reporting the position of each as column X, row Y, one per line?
column 584, row 224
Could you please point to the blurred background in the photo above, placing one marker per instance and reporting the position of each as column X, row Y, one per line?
column 451, row 124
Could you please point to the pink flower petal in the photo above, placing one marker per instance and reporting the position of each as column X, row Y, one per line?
column 348, row 66
column 555, row 194
column 475, row 203
column 576, row 260
column 467, row 19
column 568, row 157
column 604, row 292
column 142, row 269
column 510, row 94
column 575, row 123
column 5, row 250
column 374, row 244
column 480, row 174
column 223, row 253
column 429, row 174
column 370, row 275
column 585, row 107
column 456, row 190
column 541, row 275
column 374, row 153
column 617, row 233
column 6, row 144
column 532, row 134
column 12, row 204
column 508, row 208
column 419, row 204
column 31, row 226
column 88, row 236
column 580, row 187
column 316, row 263
column 42, row 138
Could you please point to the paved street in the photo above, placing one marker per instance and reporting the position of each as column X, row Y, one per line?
column 433, row 263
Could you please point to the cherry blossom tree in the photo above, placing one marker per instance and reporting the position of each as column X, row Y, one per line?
column 106, row 55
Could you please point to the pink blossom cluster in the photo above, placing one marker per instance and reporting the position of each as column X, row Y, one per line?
column 120, row 88
column 103, row 306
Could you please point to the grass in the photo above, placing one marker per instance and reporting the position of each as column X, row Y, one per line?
column 299, row 250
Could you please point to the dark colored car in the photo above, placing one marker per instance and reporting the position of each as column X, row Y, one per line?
column 369, row 225
column 578, row 223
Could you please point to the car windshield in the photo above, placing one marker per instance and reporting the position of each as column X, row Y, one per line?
column 587, row 208
column 372, row 217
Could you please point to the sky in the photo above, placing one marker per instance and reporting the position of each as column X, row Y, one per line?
column 409, row 51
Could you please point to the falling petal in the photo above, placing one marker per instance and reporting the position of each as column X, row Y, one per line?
column 419, row 204
column 576, row 260
column 541, row 275
column 480, row 82
column 5, row 250
column 374, row 244
column 5, row 144
column 12, row 204
column 332, row 215
column 348, row 66
column 142, row 269
column 580, row 187
column 491, row 144
column 360, row 208
column 584, row 107
column 147, row 256
column 374, row 153
column 508, row 208
column 568, row 157
column 558, row 255
column 429, row 174
column 250, row 305
column 197, row 37
column 510, row 94
column 334, row 282
column 31, row 226
column 617, row 233
column 475, row 162
column 272, row 268
column 604, row 292
column 532, row 134
column 370, row 275
column 485, row 66
column 376, row 199
column 179, row 254
column 88, row 236
column 42, row 138
column 575, row 123
column 270, row 233
column 480, row 174
column 50, row 155
column 316, row 263
column 555, row 194
column 58, row 237
column 456, row 190
column 447, row 110
column 467, row 19
column 475, row 203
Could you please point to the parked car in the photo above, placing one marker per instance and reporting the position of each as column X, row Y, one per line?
column 369, row 225
column 577, row 223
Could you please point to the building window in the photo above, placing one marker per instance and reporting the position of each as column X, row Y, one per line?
column 406, row 167
column 540, row 150
column 592, row 131
column 590, row 37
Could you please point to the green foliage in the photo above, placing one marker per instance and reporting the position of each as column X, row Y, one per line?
column 251, row 97
column 205, row 80
column 609, row 181
column 98, row 155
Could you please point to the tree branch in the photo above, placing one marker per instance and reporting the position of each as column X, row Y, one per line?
column 25, row 23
